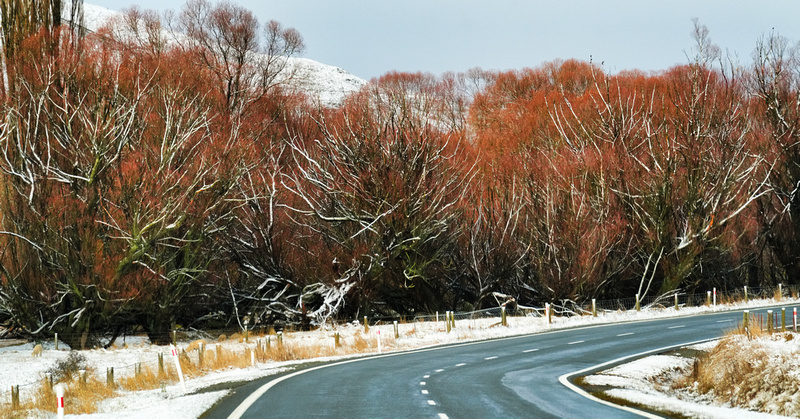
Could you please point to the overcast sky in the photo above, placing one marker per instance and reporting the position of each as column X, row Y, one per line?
column 371, row 37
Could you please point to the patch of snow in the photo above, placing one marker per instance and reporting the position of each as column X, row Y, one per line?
column 691, row 409
column 156, row 405
column 649, row 368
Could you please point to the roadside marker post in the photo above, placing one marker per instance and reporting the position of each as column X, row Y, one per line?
column 794, row 319
column 715, row 296
column 60, row 400
column 178, row 366
column 594, row 307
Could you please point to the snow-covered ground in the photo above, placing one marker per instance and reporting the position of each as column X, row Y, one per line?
column 751, row 374
column 643, row 382
column 633, row 380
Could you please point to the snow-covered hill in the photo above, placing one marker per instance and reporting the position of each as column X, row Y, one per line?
column 324, row 83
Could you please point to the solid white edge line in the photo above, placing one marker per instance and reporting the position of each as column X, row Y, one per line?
column 251, row 399
column 564, row 379
column 248, row 402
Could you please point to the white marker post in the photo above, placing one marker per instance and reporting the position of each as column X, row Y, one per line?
column 60, row 398
column 379, row 341
column 794, row 319
column 178, row 366
column 715, row 296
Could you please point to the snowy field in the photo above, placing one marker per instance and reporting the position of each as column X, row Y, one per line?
column 633, row 381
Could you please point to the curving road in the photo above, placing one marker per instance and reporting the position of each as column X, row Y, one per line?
column 511, row 377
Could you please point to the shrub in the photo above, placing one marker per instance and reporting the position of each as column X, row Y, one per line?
column 67, row 369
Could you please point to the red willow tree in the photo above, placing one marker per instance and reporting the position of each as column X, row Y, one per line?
column 380, row 188
column 119, row 172
column 156, row 182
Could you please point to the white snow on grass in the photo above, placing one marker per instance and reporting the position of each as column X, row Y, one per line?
column 648, row 381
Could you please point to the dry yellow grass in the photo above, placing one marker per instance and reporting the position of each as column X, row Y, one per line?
column 80, row 398
column 742, row 372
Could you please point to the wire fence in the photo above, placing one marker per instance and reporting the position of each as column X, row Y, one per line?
column 676, row 299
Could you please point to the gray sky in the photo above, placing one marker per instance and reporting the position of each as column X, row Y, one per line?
column 371, row 37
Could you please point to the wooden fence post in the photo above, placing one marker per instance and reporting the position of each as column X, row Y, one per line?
column 110, row 377
column 14, row 397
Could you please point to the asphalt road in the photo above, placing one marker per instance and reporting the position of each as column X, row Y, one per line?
column 511, row 377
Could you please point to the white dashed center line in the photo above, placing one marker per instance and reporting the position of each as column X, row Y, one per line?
column 725, row 321
column 576, row 342
column 431, row 402
column 676, row 327
column 624, row 334
column 422, row 383
column 427, row 376
column 439, row 370
column 461, row 364
column 443, row 416
column 424, row 391
column 491, row 357
column 530, row 350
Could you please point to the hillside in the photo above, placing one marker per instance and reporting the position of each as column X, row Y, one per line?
column 321, row 82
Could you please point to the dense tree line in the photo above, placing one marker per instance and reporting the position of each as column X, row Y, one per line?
column 150, row 181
